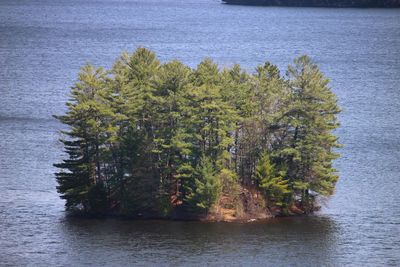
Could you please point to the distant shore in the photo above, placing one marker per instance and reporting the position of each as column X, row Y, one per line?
column 319, row 3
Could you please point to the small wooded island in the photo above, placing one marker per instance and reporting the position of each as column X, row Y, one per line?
column 153, row 140
column 319, row 3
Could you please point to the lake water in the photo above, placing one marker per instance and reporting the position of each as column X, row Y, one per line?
column 43, row 43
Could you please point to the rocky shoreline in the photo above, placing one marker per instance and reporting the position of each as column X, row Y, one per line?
column 249, row 207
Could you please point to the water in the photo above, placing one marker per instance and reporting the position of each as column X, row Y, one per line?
column 43, row 43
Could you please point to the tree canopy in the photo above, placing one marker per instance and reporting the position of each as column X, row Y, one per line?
column 147, row 138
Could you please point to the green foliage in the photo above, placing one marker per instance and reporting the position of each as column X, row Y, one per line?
column 206, row 187
column 229, row 182
column 310, row 118
column 272, row 181
column 89, row 121
column 146, row 138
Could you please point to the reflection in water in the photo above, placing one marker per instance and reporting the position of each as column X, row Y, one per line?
column 282, row 241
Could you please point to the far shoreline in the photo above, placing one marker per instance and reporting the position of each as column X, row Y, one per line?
column 360, row 4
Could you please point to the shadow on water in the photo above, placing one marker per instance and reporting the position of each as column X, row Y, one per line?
column 303, row 239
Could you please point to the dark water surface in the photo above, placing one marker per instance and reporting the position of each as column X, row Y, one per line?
column 42, row 45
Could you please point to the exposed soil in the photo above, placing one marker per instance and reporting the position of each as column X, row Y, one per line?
column 247, row 207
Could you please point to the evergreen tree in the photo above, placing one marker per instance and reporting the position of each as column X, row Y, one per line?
column 272, row 181
column 137, row 76
column 212, row 117
column 237, row 90
column 310, row 119
column 206, row 188
column 151, row 139
column 170, row 145
column 87, row 119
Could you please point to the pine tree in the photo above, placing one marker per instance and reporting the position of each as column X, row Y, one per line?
column 171, row 148
column 272, row 181
column 155, row 139
column 212, row 117
column 237, row 90
column 136, row 77
column 311, row 118
column 88, row 121
column 206, row 187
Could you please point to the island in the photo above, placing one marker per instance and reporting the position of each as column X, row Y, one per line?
column 319, row 3
column 147, row 139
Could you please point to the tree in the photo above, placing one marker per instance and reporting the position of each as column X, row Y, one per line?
column 206, row 187
column 212, row 118
column 136, row 92
column 170, row 143
column 88, row 120
column 151, row 139
column 310, row 120
column 272, row 181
